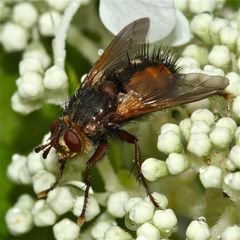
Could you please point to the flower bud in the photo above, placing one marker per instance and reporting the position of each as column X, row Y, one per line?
column 149, row 232
column 210, row 176
column 198, row 230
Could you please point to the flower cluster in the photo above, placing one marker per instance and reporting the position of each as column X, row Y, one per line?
column 201, row 146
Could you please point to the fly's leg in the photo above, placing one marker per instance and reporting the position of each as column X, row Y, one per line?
column 127, row 137
column 44, row 193
column 98, row 154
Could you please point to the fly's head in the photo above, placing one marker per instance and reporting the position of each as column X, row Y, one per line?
column 67, row 138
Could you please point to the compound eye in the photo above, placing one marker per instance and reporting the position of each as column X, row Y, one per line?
column 72, row 140
column 55, row 125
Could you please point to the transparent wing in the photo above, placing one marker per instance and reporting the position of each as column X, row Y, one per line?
column 148, row 92
column 125, row 44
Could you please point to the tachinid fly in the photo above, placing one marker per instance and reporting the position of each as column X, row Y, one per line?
column 125, row 83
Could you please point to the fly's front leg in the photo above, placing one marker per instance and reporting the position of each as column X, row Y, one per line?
column 127, row 137
column 44, row 193
column 98, row 154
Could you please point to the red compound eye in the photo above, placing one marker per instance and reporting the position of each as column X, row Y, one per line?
column 54, row 125
column 72, row 141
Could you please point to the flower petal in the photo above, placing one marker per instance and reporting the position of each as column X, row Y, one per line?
column 117, row 14
column 181, row 33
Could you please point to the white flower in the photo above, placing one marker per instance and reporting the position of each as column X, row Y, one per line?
column 25, row 201
column 66, row 230
column 220, row 56
column 148, row 231
column 228, row 123
column 100, row 228
column 92, row 208
column 130, row 203
column 210, row 176
column 152, row 169
column 198, row 230
column 231, row 232
column 43, row 215
column 115, row 204
column 30, row 64
column 221, row 137
column 49, row 22
column 228, row 37
column 116, row 233
column 13, row 37
column 25, row 14
column 58, row 5
column 177, row 163
column 233, row 180
column 141, row 212
column 185, row 126
column 60, row 200
column 204, row 115
column 160, row 199
column 202, row 6
column 236, row 106
column 200, row 126
column 117, row 14
column 19, row 220
column 34, row 163
column 165, row 220
column 55, row 79
column 234, row 83
column 42, row 180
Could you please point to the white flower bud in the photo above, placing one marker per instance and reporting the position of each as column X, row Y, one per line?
column 200, row 26
column 199, row 144
column 234, row 83
column 238, row 45
column 149, row 232
column 228, row 123
column 25, row 201
column 141, row 212
column 55, row 79
column 185, row 126
column 115, row 204
column 13, row 37
column 210, row 176
column 152, row 169
column 203, row 115
column 24, row 106
column 169, row 142
column 170, row 127
column 19, row 220
column 213, row 71
column 13, row 170
column 49, row 22
column 228, row 37
column 116, row 233
column 233, row 180
column 236, row 106
column 130, row 203
column 221, row 137
column 60, row 200
column 66, row 230
column 100, row 228
column 38, row 52
column 177, row 163
column 30, row 64
column 198, row 230
column 92, row 209
column 161, row 199
column 24, row 175
column 43, row 215
column 234, row 155
column 51, row 161
column 201, row 104
column 30, row 86
column 200, row 126
column 165, row 220
column 196, row 52
column 231, row 232
column 58, row 5
column 34, row 163
column 42, row 180
column 220, row 56
column 201, row 6
column 25, row 14
column 188, row 62
column 237, row 135
column 181, row 4
column 214, row 28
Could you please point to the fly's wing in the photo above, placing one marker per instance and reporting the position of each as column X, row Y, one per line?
column 125, row 44
column 148, row 92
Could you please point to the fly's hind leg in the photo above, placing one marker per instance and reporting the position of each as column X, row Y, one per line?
column 98, row 154
column 45, row 192
column 127, row 137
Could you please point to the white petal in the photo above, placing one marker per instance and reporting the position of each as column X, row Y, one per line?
column 181, row 33
column 117, row 14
